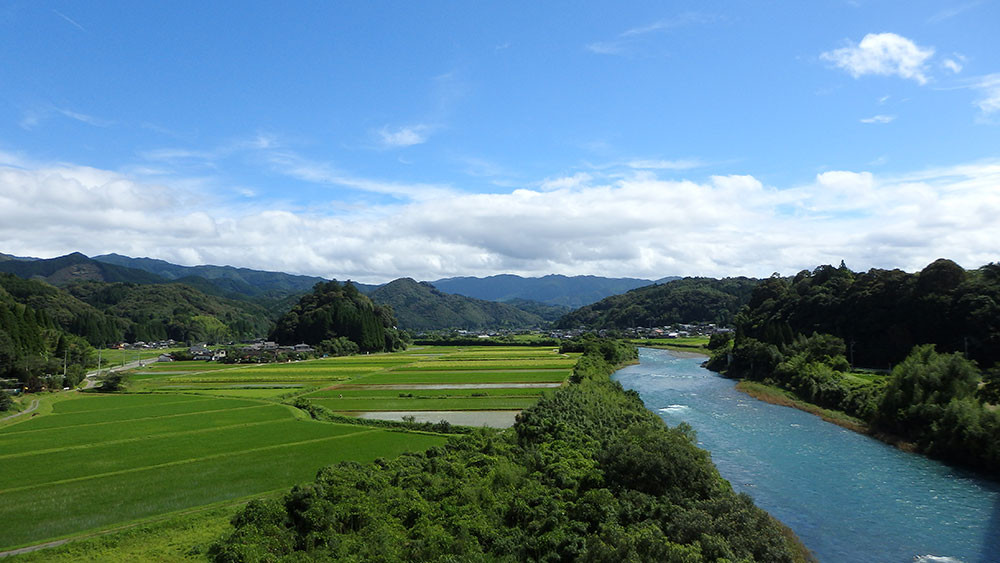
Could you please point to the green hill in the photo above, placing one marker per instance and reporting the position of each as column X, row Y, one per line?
column 420, row 306
column 337, row 318
column 681, row 301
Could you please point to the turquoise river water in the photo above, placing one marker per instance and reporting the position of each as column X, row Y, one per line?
column 847, row 496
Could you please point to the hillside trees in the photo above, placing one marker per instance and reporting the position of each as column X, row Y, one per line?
column 680, row 301
column 34, row 351
column 332, row 311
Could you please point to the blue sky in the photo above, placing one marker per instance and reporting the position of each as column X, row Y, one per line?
column 375, row 140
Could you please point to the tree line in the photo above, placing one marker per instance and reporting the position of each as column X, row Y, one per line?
column 685, row 300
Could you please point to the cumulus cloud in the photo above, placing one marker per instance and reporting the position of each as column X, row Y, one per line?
column 639, row 225
column 884, row 54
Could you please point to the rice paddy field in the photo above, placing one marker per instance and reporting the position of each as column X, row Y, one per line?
column 196, row 434
column 100, row 461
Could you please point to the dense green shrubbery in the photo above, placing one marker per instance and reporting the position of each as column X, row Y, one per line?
column 587, row 474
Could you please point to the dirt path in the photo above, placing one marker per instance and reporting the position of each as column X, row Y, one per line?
column 31, row 548
column 31, row 407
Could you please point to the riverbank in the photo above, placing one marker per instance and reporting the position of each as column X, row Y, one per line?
column 680, row 350
column 778, row 396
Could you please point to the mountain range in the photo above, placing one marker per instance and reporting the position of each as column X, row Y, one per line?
column 554, row 289
column 463, row 302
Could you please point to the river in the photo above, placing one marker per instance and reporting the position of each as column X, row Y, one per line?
column 847, row 496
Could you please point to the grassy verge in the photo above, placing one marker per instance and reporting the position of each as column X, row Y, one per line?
column 778, row 396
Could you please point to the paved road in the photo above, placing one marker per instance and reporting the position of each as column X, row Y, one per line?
column 92, row 379
column 31, row 407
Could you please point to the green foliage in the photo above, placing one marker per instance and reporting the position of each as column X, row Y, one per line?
column 587, row 474
column 114, row 381
column 333, row 311
column 882, row 314
column 680, row 301
column 172, row 311
column 340, row 346
column 720, row 340
column 6, row 402
column 931, row 398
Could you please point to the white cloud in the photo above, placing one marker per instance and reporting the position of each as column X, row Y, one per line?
column 686, row 18
column 953, row 11
column 606, row 48
column 952, row 65
column 879, row 119
column 631, row 39
column 295, row 166
column 884, row 54
column 665, row 164
column 639, row 225
column 34, row 116
column 404, row 136
column 989, row 86
column 566, row 182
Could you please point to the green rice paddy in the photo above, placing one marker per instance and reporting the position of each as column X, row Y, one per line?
column 197, row 433
column 98, row 461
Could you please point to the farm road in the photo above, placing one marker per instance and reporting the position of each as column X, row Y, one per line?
column 33, row 406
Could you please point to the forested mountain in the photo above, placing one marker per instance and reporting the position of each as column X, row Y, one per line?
column 245, row 281
column 76, row 267
column 337, row 318
column 106, row 313
column 550, row 313
column 419, row 306
column 681, row 301
column 160, row 311
column 572, row 292
column 66, row 311
column 32, row 345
